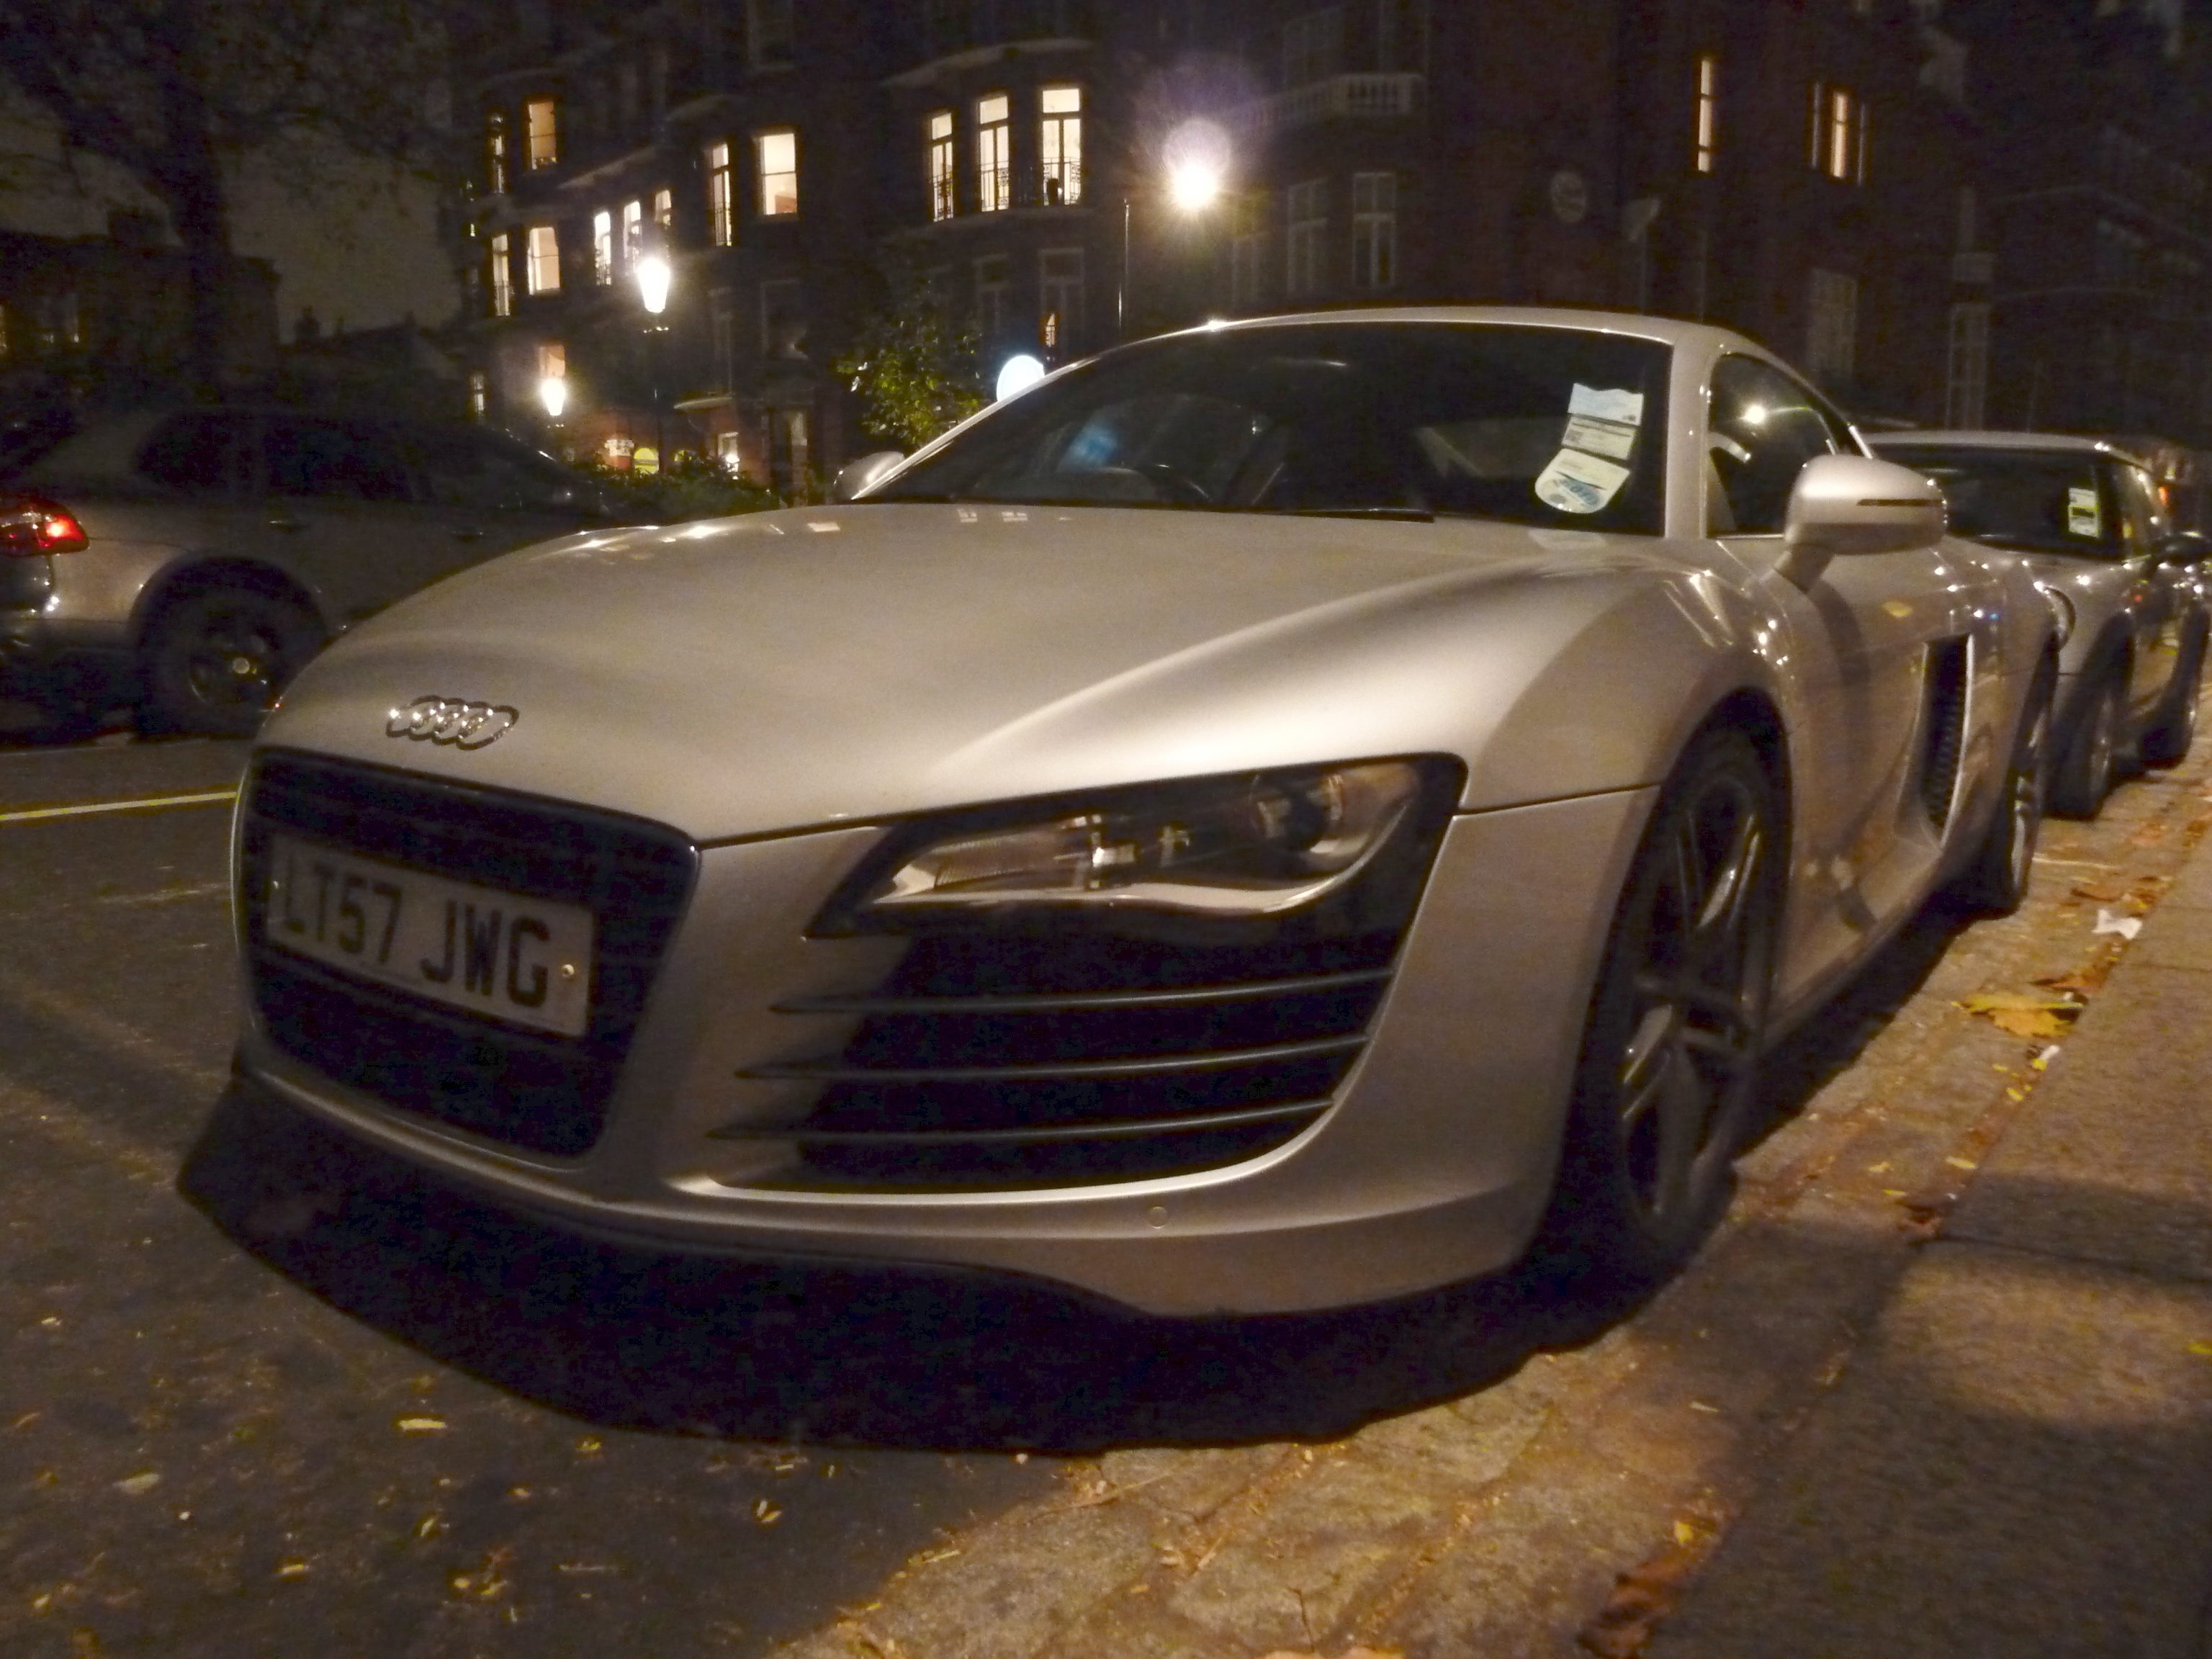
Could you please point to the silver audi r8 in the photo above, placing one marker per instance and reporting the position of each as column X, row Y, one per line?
column 1275, row 817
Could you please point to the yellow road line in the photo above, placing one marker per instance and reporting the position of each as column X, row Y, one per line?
column 150, row 804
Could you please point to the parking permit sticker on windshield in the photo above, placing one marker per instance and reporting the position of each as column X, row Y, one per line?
column 2081, row 516
column 1601, row 404
column 1576, row 483
column 1596, row 437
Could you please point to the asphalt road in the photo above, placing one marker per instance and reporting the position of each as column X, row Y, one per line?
column 252, row 1417
column 260, row 1393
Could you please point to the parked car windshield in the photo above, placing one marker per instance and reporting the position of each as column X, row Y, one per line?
column 2035, row 501
column 1532, row 425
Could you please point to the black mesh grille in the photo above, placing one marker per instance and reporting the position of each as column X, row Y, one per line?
column 547, row 1093
column 1943, row 727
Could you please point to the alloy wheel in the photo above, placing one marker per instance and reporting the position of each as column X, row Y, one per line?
column 1699, row 1002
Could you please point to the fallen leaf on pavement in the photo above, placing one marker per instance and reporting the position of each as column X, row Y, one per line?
column 2106, row 892
column 139, row 1484
column 2149, row 836
column 422, row 1425
column 1647, row 1593
column 2024, row 1014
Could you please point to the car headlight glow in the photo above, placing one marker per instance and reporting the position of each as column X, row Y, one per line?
column 1252, row 846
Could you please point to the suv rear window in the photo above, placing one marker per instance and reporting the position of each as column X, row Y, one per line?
column 196, row 455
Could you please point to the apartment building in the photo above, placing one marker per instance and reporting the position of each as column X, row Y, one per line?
column 1855, row 182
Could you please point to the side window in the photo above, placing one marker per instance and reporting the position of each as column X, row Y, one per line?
column 333, row 462
column 479, row 472
column 1764, row 427
column 2143, row 521
column 196, row 455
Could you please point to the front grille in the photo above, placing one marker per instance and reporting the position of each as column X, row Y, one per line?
column 993, row 1060
column 545, row 1093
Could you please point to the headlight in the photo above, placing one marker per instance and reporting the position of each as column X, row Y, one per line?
column 1251, row 847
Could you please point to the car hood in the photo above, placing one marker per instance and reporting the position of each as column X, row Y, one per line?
column 813, row 667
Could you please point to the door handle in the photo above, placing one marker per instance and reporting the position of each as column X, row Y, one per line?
column 280, row 522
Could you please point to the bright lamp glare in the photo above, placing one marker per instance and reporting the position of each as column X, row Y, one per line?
column 1197, row 157
column 1018, row 374
column 553, row 393
column 653, row 278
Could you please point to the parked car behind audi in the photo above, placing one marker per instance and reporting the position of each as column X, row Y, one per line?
column 191, row 560
column 2090, row 523
column 1278, row 815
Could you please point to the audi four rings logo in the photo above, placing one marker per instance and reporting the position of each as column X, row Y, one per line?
column 448, row 720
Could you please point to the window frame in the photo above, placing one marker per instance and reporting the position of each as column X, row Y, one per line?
column 994, row 138
column 1059, row 145
column 766, row 201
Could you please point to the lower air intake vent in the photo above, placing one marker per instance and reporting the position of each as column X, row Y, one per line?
column 994, row 1060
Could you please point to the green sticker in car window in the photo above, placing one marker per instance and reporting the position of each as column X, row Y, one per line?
column 2081, row 516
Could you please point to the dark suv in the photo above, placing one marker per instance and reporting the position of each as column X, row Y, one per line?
column 193, row 559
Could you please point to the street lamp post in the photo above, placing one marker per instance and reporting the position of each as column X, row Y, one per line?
column 654, row 276
column 1197, row 157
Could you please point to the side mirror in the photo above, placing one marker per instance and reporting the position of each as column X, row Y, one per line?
column 856, row 479
column 2186, row 547
column 1846, row 505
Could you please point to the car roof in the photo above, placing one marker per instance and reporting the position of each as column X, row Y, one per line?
column 1665, row 330
column 2050, row 443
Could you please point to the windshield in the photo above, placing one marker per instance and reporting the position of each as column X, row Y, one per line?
column 1542, row 426
column 2036, row 501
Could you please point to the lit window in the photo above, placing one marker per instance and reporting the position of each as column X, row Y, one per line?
column 479, row 394
column 994, row 178
column 1060, row 297
column 1308, row 237
column 1060, row 134
column 664, row 209
column 776, row 156
column 940, row 165
column 1839, row 133
column 633, row 232
column 502, row 278
column 603, row 247
column 542, row 138
column 721, row 198
column 552, row 360
column 496, row 154
column 542, row 268
column 767, row 31
column 1709, row 111
column 1375, row 229
column 991, row 286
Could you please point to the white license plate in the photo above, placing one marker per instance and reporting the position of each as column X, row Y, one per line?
column 524, row 960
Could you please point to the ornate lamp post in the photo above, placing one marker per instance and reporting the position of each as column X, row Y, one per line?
column 654, row 276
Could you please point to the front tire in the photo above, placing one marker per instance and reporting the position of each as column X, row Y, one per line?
column 1668, row 1076
column 2168, row 743
column 216, row 662
column 2085, row 770
column 1996, row 882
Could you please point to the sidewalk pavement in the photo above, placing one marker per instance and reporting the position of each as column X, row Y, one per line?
column 1940, row 1385
column 2019, row 1461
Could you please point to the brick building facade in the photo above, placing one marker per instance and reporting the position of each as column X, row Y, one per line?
column 1852, row 182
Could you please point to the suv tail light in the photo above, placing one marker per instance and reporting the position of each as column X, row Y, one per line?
column 31, row 525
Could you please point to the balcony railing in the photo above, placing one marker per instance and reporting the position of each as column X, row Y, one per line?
column 1341, row 97
column 999, row 190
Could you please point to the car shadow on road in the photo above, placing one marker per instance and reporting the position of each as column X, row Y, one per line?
column 626, row 1337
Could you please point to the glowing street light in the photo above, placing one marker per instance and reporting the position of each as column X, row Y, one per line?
column 553, row 393
column 652, row 279
column 1197, row 157
column 1018, row 374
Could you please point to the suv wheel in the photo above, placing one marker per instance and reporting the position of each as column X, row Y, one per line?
column 2084, row 772
column 216, row 662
